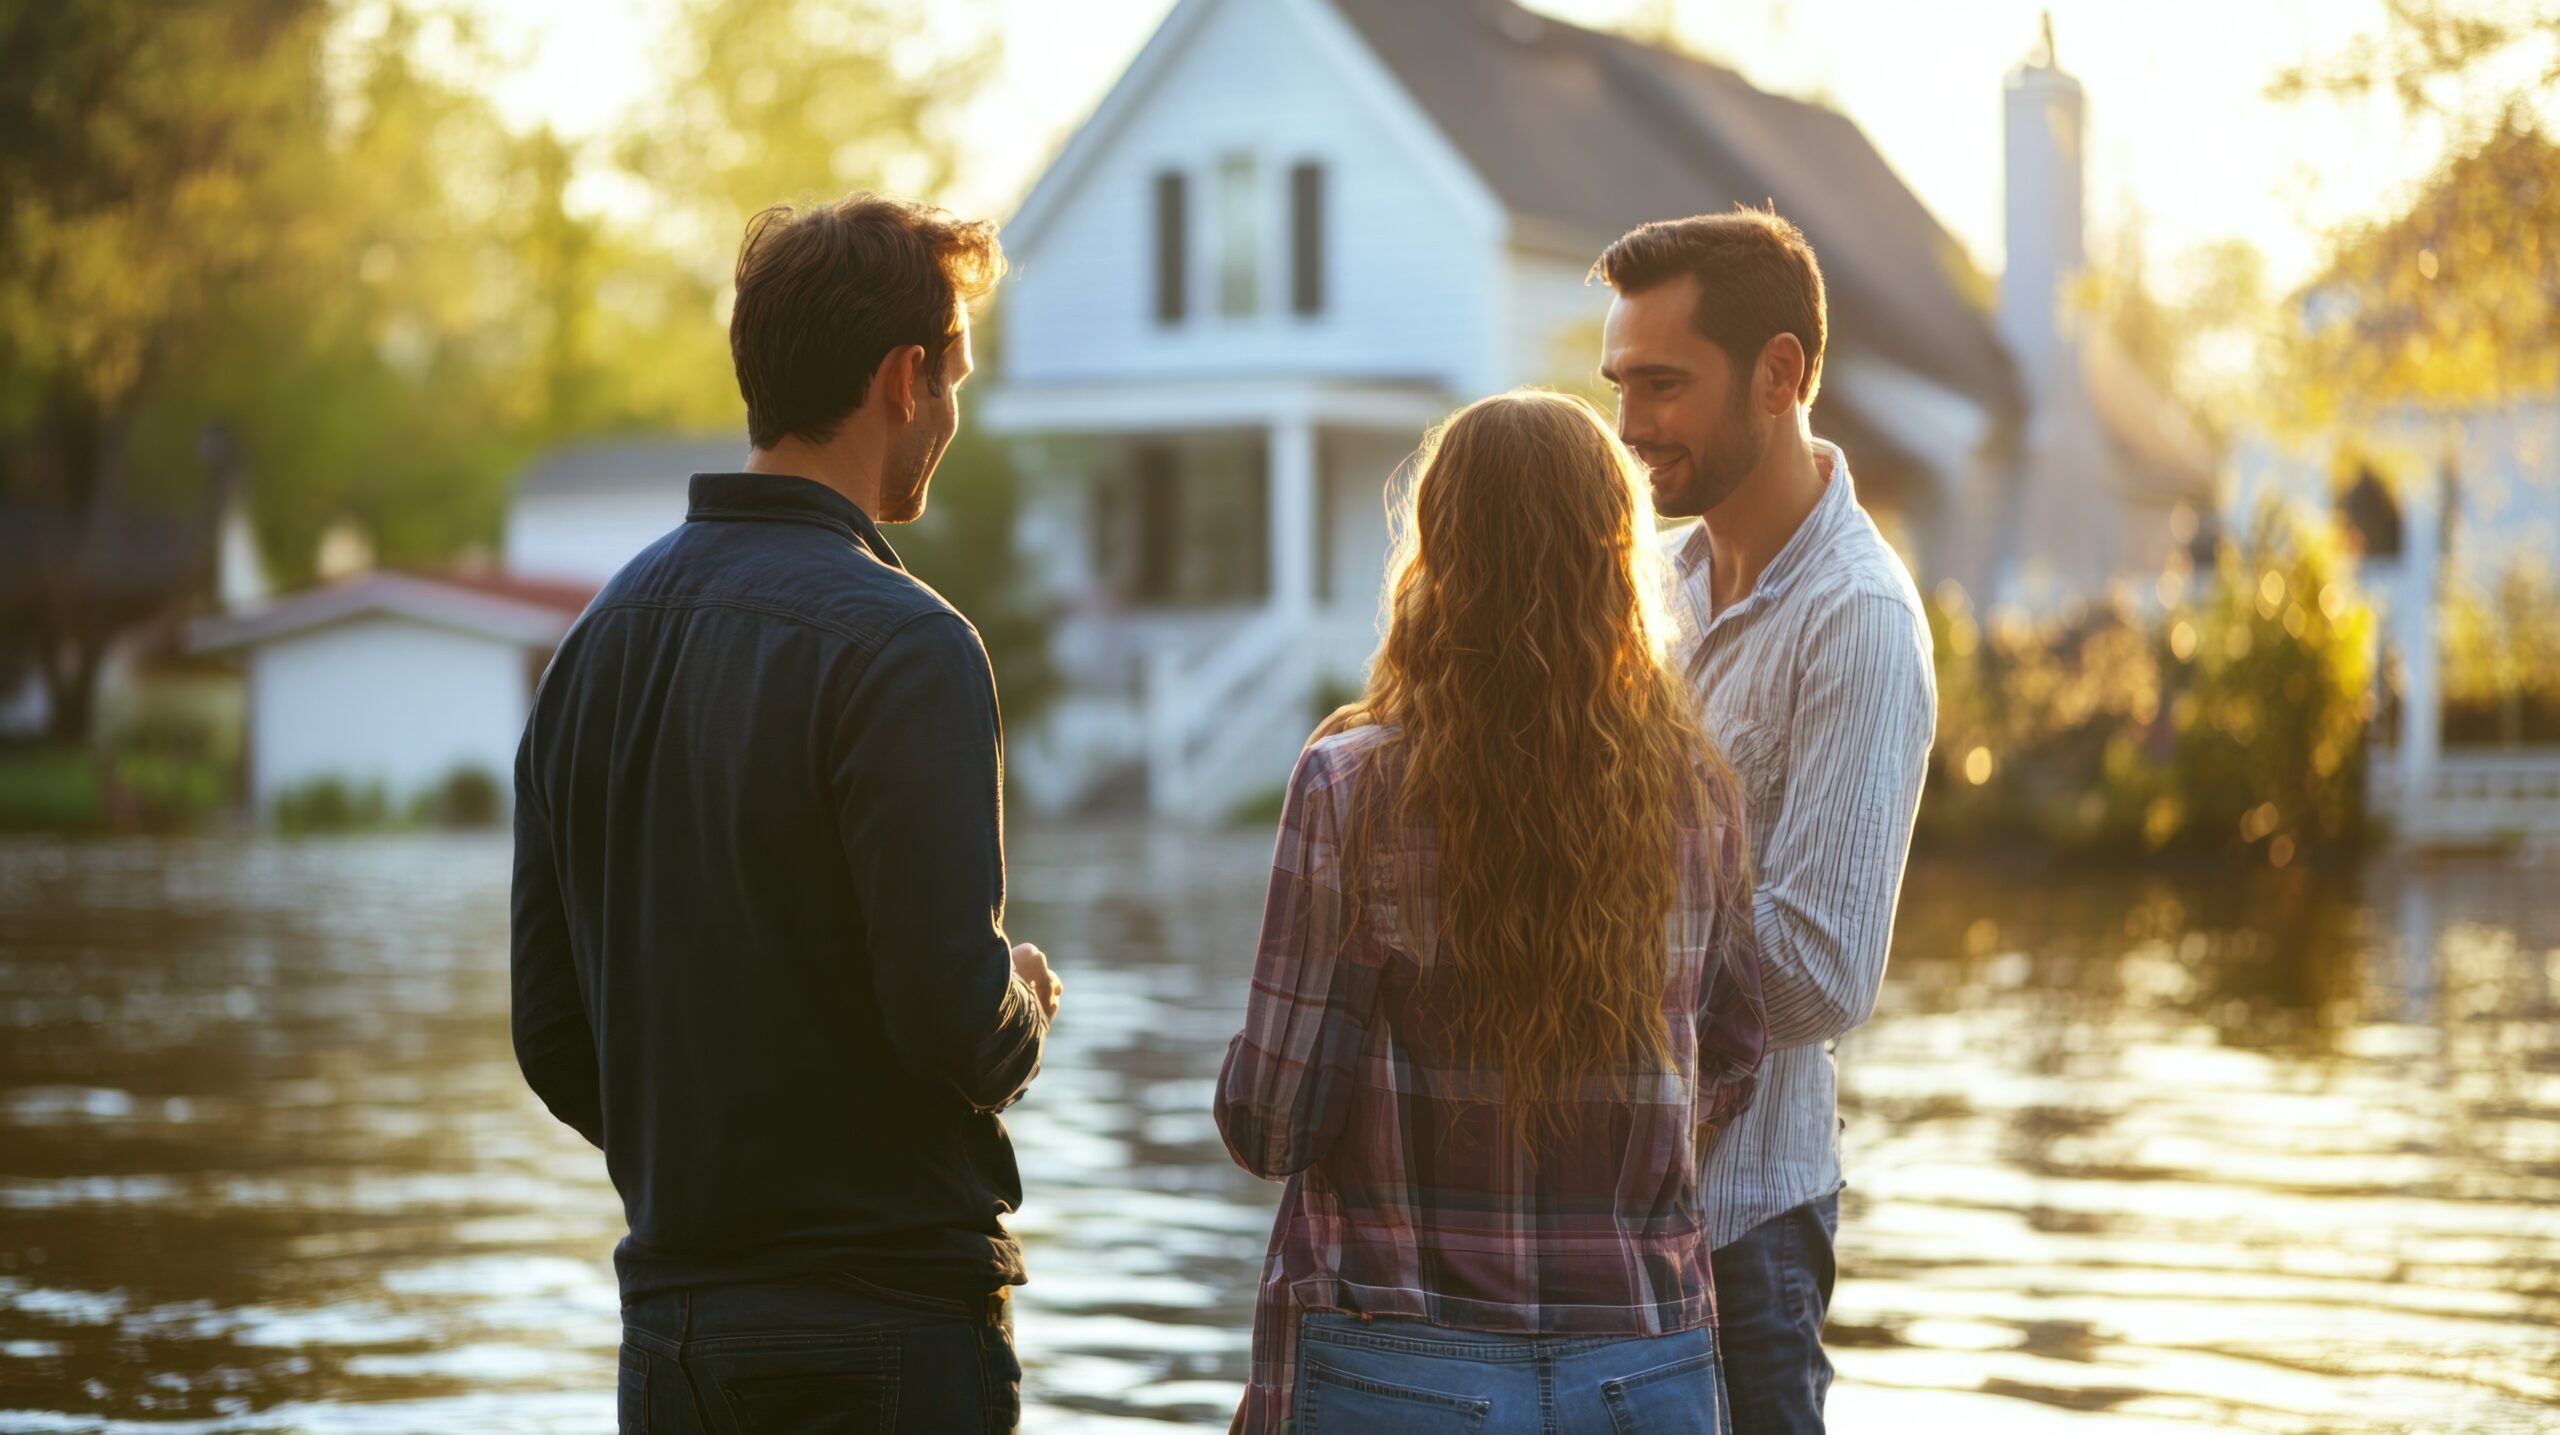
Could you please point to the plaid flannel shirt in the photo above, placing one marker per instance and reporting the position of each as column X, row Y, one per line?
column 1406, row 1194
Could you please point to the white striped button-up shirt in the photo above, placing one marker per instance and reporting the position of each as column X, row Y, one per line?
column 1819, row 689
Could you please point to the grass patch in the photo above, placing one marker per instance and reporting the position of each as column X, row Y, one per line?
column 51, row 789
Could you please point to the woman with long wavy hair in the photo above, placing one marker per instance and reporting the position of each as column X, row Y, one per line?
column 1507, row 984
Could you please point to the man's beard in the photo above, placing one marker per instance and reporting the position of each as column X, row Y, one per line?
column 910, row 467
column 1719, row 465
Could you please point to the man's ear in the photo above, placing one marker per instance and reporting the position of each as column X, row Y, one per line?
column 1782, row 364
column 898, row 379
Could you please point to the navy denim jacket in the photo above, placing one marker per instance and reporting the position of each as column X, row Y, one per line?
column 759, row 890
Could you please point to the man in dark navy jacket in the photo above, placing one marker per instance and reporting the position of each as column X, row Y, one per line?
column 759, row 883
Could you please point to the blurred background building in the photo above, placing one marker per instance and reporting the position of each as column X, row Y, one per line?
column 1298, row 231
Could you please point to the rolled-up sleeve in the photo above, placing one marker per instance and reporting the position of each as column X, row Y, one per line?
column 1831, row 870
column 1286, row 1089
column 918, row 777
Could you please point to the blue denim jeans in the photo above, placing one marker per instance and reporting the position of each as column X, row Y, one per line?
column 1773, row 1288
column 826, row 1355
column 1410, row 1377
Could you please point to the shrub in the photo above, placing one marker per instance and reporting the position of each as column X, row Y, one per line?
column 326, row 805
column 2502, row 660
column 468, row 797
column 51, row 789
column 2232, row 717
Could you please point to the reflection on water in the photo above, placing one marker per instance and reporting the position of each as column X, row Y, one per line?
column 2274, row 1156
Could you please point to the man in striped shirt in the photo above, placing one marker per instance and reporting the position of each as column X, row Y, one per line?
column 1810, row 654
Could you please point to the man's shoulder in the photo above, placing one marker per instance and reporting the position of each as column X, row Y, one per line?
column 806, row 577
column 1863, row 602
column 1865, row 570
column 875, row 600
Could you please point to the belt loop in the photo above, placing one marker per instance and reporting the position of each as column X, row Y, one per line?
column 684, row 1318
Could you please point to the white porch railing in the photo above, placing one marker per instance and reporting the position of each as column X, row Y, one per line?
column 2503, row 795
column 1225, row 723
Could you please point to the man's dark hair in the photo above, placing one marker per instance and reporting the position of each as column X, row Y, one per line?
column 827, row 291
column 1757, row 279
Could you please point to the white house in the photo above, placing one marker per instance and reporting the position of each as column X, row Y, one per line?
column 1297, row 232
column 388, row 680
column 401, row 680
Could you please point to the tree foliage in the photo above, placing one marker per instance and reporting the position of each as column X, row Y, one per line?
column 145, row 153
column 2198, row 334
column 268, row 241
column 769, row 101
column 2456, row 302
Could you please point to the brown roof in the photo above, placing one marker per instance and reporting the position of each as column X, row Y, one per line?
column 1587, row 135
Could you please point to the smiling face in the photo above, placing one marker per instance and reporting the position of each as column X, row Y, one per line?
column 1684, row 405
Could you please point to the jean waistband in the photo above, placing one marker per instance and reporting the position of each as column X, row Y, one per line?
column 828, row 1298
column 1412, row 1335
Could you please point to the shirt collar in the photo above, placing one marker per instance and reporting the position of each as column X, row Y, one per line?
column 783, row 498
column 1811, row 536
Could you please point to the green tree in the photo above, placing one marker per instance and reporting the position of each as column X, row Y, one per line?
column 143, row 152
column 2457, row 301
column 251, row 241
column 768, row 101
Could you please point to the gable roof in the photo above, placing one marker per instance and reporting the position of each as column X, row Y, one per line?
column 1585, row 135
column 503, row 608
column 619, row 465
column 1401, row 117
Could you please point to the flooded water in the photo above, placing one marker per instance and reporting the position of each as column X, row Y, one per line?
column 2127, row 1154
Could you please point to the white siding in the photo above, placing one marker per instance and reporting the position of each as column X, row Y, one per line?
column 383, row 700
column 1411, row 288
column 588, row 536
column 2507, row 499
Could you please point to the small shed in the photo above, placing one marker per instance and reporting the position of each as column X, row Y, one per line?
column 391, row 682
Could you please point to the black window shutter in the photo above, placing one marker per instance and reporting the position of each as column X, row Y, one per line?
column 1306, row 238
column 1173, row 261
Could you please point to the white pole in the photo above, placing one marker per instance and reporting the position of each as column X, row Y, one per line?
column 1293, row 515
column 2421, row 691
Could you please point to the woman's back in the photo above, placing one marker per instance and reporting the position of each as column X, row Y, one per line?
column 1507, row 972
column 1427, row 1196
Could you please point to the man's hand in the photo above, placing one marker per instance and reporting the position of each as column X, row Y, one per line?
column 1032, row 965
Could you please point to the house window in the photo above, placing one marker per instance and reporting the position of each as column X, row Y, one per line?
column 1239, row 237
column 1173, row 259
column 1306, row 238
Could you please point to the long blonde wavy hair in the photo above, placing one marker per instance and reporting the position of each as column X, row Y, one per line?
column 1545, row 743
